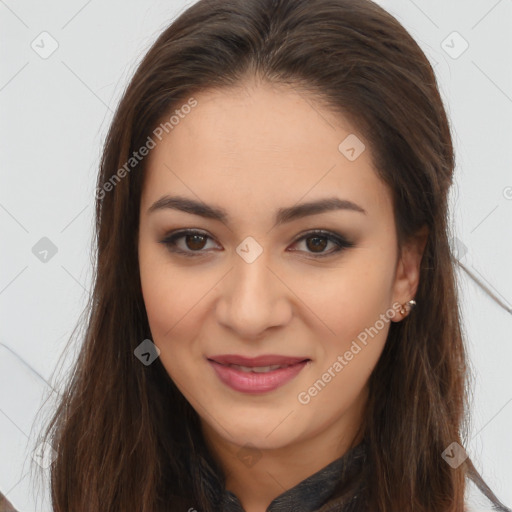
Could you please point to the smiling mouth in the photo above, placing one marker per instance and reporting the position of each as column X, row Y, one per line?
column 258, row 369
column 256, row 375
column 261, row 364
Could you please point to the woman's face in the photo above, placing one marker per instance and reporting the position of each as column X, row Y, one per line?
column 257, row 282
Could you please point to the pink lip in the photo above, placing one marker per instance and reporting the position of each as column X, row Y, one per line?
column 266, row 360
column 251, row 382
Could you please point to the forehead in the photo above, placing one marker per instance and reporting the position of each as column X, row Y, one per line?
column 268, row 144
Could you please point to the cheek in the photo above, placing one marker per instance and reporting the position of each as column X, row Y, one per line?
column 357, row 309
column 350, row 298
column 171, row 297
column 171, row 302
column 170, row 292
column 355, row 304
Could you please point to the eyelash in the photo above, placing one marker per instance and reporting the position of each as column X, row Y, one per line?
column 341, row 242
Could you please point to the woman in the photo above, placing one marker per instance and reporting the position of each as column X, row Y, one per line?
column 274, row 323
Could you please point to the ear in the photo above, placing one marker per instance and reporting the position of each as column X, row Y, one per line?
column 407, row 273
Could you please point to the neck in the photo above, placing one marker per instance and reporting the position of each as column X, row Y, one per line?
column 257, row 476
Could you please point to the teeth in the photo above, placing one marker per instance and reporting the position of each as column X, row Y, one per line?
column 257, row 369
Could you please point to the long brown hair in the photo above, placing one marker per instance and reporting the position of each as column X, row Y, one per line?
column 125, row 437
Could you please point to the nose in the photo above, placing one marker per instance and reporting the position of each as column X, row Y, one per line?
column 253, row 299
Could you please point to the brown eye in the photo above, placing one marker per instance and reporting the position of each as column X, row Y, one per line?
column 187, row 243
column 195, row 242
column 316, row 243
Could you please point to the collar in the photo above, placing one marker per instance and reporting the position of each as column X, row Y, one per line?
column 311, row 494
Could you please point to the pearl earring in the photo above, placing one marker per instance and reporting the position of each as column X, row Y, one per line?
column 407, row 306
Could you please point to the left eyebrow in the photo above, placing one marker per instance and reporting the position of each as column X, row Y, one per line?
column 283, row 215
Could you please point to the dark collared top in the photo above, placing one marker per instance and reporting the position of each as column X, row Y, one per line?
column 313, row 494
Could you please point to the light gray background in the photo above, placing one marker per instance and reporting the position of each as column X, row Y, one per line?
column 55, row 113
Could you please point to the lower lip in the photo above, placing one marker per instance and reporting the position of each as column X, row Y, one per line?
column 252, row 382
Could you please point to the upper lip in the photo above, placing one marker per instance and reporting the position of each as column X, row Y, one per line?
column 265, row 360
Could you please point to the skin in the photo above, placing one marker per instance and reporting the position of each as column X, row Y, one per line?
column 251, row 150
